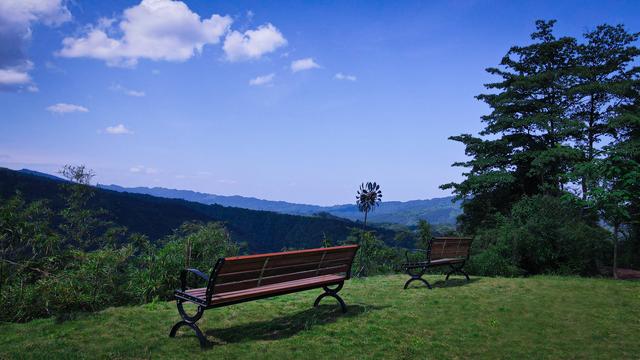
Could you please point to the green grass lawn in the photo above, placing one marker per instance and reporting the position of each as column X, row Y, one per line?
column 539, row 317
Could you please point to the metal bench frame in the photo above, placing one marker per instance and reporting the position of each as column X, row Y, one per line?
column 417, row 269
column 190, row 320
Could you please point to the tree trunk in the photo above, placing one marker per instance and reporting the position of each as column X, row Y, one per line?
column 615, row 251
column 364, row 226
column 362, row 247
column 188, row 254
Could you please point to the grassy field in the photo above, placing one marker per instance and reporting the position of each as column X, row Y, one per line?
column 539, row 317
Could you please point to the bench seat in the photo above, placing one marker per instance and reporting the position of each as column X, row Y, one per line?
column 434, row 262
column 266, row 290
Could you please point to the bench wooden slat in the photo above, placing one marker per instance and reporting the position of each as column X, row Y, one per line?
column 256, row 262
column 266, row 280
column 245, row 272
column 272, row 289
column 449, row 248
column 272, row 271
column 447, row 261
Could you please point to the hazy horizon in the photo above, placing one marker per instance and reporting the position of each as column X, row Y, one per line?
column 299, row 102
column 56, row 174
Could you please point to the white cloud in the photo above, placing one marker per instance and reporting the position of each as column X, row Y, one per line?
column 341, row 76
column 154, row 29
column 53, row 67
column 303, row 64
column 119, row 129
column 16, row 20
column 141, row 169
column 262, row 80
column 21, row 12
column 14, row 77
column 63, row 108
column 135, row 93
column 126, row 91
column 252, row 44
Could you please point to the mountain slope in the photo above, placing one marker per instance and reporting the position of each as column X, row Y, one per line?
column 155, row 216
column 436, row 211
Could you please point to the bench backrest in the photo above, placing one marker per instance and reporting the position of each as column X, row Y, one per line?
column 250, row 271
column 449, row 247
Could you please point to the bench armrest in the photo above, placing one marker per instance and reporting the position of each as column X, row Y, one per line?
column 185, row 272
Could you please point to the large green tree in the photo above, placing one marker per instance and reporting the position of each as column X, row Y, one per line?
column 616, row 191
column 523, row 148
column 605, row 104
column 602, row 89
column 563, row 122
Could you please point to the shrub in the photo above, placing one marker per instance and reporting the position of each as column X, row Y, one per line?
column 374, row 257
column 76, row 280
column 195, row 245
column 542, row 234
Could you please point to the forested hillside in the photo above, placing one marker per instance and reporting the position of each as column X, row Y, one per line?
column 155, row 217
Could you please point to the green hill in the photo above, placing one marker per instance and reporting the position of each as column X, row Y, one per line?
column 494, row 318
column 262, row 231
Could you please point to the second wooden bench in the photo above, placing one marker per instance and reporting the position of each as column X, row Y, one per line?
column 452, row 251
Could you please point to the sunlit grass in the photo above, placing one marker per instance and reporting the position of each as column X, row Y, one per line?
column 539, row 317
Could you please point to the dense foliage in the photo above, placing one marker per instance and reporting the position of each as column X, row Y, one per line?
column 540, row 235
column 58, row 263
column 559, row 155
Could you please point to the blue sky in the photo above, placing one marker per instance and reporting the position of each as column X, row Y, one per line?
column 295, row 101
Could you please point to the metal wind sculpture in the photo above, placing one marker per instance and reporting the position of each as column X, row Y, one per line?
column 368, row 197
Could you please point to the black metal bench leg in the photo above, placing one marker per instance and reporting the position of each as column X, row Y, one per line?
column 190, row 321
column 333, row 293
column 449, row 274
column 465, row 274
column 457, row 270
column 203, row 339
column 415, row 277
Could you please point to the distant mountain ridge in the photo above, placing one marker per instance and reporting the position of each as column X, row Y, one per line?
column 38, row 173
column 436, row 210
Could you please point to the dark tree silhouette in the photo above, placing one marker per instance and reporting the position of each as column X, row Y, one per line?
column 77, row 174
column 368, row 197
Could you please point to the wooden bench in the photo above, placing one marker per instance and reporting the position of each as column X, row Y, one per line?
column 452, row 251
column 245, row 278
